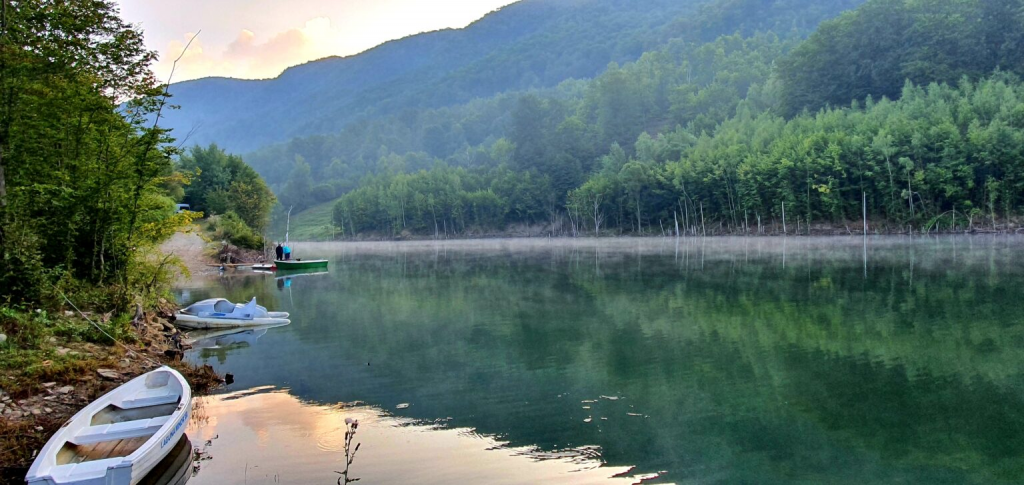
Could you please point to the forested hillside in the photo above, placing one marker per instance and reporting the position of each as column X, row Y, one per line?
column 873, row 50
column 530, row 44
column 684, row 60
column 743, row 107
column 937, row 157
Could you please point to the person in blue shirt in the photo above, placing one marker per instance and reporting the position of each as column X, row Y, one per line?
column 287, row 253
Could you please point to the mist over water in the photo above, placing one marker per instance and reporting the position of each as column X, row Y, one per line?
column 763, row 360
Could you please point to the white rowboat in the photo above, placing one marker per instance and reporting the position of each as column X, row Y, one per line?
column 218, row 313
column 120, row 437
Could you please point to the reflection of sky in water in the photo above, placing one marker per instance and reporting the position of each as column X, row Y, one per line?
column 755, row 360
column 269, row 436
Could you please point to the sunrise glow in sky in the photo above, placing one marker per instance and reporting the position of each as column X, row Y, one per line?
column 256, row 39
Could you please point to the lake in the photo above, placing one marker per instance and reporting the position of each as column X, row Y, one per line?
column 725, row 360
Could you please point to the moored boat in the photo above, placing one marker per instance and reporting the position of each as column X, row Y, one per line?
column 176, row 467
column 120, row 437
column 300, row 264
column 219, row 313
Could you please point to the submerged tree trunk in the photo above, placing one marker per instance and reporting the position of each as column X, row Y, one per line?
column 703, row 228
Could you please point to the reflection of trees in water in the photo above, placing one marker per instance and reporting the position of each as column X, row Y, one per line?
column 746, row 367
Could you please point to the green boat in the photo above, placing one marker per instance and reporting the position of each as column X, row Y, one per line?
column 300, row 264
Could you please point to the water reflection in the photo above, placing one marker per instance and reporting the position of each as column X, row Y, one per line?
column 218, row 343
column 729, row 360
column 285, row 279
column 275, row 438
column 175, row 469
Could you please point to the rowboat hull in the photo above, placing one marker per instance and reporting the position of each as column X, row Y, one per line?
column 175, row 469
column 192, row 322
column 297, row 265
column 119, row 438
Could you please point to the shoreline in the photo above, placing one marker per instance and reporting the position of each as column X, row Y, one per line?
column 816, row 230
column 591, row 237
column 39, row 399
column 41, row 388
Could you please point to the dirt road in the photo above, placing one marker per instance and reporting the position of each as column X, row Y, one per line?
column 192, row 250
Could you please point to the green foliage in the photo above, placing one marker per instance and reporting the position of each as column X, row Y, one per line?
column 313, row 224
column 931, row 154
column 937, row 151
column 444, row 201
column 83, row 166
column 28, row 332
column 232, row 228
column 224, row 183
column 873, row 50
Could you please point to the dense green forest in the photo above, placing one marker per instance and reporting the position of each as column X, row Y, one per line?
column 459, row 134
column 936, row 154
column 715, row 135
column 873, row 50
column 726, row 115
column 88, row 174
column 83, row 165
column 223, row 185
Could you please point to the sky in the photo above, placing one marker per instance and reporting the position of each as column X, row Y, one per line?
column 257, row 39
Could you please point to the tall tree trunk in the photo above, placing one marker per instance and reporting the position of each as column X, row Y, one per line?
column 910, row 195
column 5, row 128
column 638, row 223
column 3, row 181
column 892, row 183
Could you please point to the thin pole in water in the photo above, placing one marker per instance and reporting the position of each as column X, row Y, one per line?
column 288, row 224
column 864, row 198
column 784, row 231
column 703, row 228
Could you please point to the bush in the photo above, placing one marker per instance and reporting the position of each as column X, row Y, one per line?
column 232, row 228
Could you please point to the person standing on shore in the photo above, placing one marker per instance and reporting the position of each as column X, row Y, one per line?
column 279, row 252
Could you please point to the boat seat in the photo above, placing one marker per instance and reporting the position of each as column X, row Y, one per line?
column 150, row 397
column 119, row 431
column 84, row 472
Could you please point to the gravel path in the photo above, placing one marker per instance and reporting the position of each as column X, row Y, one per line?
column 191, row 249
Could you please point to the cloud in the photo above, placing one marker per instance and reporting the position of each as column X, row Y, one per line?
column 249, row 57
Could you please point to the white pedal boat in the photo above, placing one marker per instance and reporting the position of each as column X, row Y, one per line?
column 218, row 313
column 120, row 437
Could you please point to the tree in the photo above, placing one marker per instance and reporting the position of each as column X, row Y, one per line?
column 83, row 166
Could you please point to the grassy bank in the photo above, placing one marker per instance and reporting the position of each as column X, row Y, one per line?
column 313, row 224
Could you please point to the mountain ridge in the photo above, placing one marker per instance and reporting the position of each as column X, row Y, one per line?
column 323, row 96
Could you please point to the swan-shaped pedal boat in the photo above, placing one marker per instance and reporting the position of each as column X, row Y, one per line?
column 218, row 313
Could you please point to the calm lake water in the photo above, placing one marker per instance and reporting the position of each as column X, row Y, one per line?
column 614, row 361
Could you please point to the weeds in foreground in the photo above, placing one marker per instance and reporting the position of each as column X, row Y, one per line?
column 350, row 453
column 20, row 440
column 30, row 355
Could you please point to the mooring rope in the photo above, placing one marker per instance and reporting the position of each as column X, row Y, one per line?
column 127, row 349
